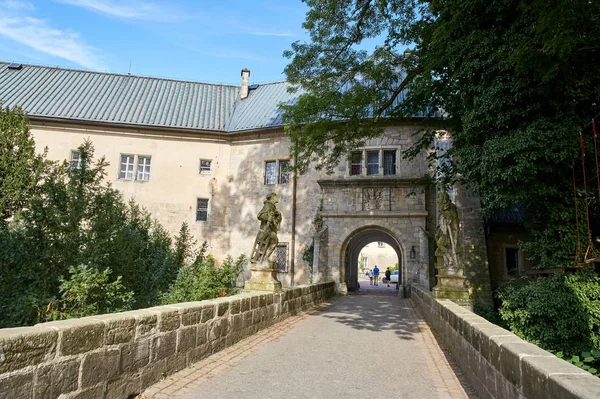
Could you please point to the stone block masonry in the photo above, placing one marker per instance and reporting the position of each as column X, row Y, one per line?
column 118, row 355
column 497, row 363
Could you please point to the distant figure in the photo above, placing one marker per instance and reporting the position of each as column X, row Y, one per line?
column 376, row 275
column 370, row 275
column 388, row 274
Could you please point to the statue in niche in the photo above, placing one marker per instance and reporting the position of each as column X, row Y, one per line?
column 266, row 239
column 447, row 234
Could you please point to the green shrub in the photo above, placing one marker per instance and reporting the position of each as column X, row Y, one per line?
column 88, row 292
column 559, row 313
column 203, row 280
column 589, row 361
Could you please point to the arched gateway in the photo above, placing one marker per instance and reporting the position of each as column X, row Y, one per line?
column 357, row 212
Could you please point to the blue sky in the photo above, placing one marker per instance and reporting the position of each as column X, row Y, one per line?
column 201, row 40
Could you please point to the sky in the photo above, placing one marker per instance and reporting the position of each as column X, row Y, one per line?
column 202, row 40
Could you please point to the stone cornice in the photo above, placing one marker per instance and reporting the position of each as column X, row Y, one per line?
column 375, row 214
column 373, row 182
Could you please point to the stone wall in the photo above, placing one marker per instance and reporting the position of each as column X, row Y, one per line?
column 497, row 363
column 118, row 355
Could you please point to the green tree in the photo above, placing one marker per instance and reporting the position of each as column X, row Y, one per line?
column 21, row 169
column 514, row 80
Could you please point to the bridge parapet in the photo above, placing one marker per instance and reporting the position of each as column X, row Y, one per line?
column 118, row 355
column 497, row 363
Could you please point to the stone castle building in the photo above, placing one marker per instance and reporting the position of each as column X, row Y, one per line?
column 208, row 154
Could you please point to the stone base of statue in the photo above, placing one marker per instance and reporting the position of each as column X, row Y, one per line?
column 452, row 285
column 263, row 278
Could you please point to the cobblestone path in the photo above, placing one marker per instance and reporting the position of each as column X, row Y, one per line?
column 371, row 345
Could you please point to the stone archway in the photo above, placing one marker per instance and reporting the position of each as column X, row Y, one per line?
column 356, row 241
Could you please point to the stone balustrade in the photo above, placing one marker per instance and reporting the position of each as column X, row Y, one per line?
column 119, row 355
column 497, row 363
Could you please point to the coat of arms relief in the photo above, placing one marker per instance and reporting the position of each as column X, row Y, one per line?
column 372, row 199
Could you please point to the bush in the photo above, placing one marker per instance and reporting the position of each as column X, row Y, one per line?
column 88, row 292
column 203, row 280
column 560, row 313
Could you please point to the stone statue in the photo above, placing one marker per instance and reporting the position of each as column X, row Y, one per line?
column 266, row 239
column 447, row 234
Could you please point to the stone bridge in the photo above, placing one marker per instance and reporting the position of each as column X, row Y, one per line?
column 304, row 342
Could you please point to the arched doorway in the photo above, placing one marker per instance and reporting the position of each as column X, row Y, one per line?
column 356, row 242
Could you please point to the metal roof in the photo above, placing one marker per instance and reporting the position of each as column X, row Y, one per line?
column 114, row 98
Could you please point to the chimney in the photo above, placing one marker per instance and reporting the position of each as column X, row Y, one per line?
column 244, row 91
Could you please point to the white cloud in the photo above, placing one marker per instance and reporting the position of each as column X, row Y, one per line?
column 35, row 33
column 16, row 5
column 131, row 10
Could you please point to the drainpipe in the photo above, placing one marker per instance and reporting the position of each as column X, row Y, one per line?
column 293, row 250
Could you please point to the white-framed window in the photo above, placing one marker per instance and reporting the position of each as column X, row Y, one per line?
column 371, row 161
column 356, row 160
column 389, row 162
column 277, row 172
column 380, row 244
column 205, row 166
column 75, row 160
column 143, row 172
column 127, row 165
column 135, row 167
column 202, row 209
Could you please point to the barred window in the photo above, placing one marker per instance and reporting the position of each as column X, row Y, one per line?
column 284, row 174
column 202, row 210
column 127, row 163
column 75, row 161
column 270, row 172
column 282, row 255
column 205, row 166
column 143, row 168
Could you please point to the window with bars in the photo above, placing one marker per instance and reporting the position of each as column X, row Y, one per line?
column 380, row 244
column 205, row 166
column 282, row 256
column 356, row 163
column 75, row 161
column 143, row 172
column 284, row 174
column 127, row 164
column 389, row 163
column 202, row 210
column 277, row 172
column 372, row 163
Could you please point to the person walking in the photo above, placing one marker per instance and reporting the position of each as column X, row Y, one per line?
column 370, row 274
column 388, row 274
column 376, row 275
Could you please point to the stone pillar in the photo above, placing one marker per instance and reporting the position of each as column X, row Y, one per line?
column 423, row 271
column 263, row 278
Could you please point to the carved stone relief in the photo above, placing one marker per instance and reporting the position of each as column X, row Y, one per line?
column 372, row 199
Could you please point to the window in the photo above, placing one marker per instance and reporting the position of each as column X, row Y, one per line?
column 356, row 163
column 389, row 163
column 512, row 261
column 126, row 171
column 143, row 172
column 380, row 244
column 75, row 161
column 372, row 163
column 282, row 254
column 205, row 166
column 202, row 210
column 138, row 163
column 366, row 262
column 284, row 174
column 276, row 172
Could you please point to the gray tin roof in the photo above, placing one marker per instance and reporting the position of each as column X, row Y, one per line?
column 138, row 101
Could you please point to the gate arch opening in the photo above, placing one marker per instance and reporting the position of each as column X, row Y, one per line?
column 356, row 242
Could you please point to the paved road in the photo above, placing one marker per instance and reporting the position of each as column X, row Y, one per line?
column 369, row 345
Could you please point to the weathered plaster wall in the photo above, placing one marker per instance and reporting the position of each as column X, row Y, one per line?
column 117, row 355
column 497, row 363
